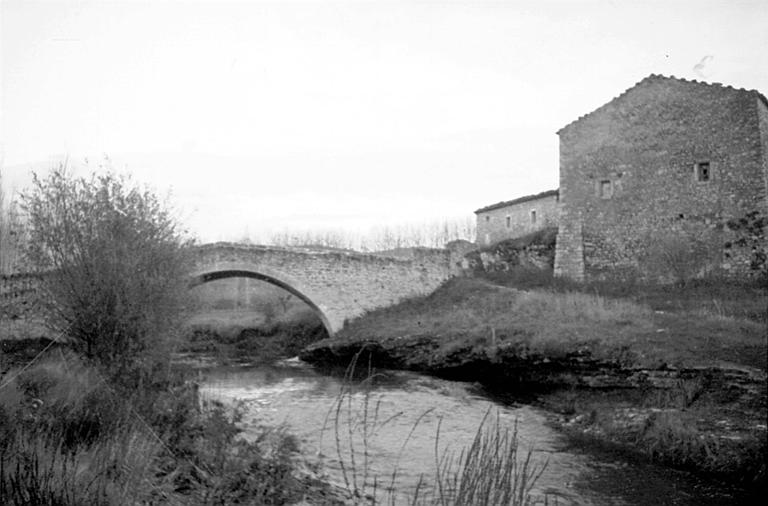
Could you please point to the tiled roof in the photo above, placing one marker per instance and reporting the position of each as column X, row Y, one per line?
column 498, row 205
column 670, row 78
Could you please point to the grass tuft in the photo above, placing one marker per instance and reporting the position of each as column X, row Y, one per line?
column 490, row 471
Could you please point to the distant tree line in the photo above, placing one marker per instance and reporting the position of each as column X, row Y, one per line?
column 434, row 234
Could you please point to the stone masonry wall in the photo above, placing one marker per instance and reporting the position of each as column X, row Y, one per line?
column 569, row 248
column 515, row 220
column 339, row 285
column 629, row 178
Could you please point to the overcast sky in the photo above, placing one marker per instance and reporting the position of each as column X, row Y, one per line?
column 263, row 116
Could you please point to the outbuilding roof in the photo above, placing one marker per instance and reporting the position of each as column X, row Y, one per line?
column 759, row 95
column 498, row 205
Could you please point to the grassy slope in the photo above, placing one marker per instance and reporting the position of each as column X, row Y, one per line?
column 557, row 322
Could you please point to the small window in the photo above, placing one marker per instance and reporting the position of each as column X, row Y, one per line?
column 509, row 221
column 606, row 189
column 703, row 172
column 487, row 219
column 533, row 216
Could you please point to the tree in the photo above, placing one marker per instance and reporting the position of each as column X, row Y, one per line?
column 112, row 261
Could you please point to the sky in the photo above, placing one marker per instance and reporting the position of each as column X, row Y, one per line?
column 259, row 117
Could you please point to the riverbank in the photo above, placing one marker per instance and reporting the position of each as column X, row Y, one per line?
column 69, row 436
column 245, row 336
column 685, row 386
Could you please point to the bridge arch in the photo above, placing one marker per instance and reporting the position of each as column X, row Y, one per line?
column 262, row 273
column 337, row 285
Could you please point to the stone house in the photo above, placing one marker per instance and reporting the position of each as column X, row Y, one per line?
column 667, row 161
column 516, row 218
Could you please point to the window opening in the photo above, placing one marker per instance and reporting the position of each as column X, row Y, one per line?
column 509, row 221
column 606, row 189
column 533, row 216
column 703, row 171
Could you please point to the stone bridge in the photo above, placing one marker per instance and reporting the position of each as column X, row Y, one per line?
column 337, row 285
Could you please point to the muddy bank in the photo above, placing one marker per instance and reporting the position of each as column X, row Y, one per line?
column 708, row 419
column 259, row 343
column 515, row 366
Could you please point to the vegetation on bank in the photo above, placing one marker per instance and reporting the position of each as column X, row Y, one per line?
column 714, row 429
column 70, row 437
column 233, row 336
column 710, row 296
column 555, row 320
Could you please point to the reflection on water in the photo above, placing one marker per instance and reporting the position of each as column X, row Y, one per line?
column 304, row 400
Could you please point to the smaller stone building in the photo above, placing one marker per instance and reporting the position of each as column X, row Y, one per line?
column 516, row 218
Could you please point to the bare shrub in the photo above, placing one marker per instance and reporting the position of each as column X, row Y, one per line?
column 113, row 264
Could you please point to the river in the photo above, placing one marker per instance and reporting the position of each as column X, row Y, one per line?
column 301, row 398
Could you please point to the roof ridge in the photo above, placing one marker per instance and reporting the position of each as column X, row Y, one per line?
column 667, row 78
column 519, row 200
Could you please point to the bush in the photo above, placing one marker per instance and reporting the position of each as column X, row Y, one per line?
column 113, row 264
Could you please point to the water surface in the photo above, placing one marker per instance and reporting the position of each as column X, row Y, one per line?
column 398, row 406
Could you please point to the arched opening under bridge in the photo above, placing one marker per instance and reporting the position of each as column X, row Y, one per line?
column 277, row 279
